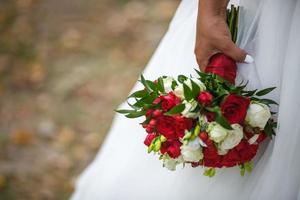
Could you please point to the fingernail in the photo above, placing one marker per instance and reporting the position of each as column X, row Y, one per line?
column 248, row 59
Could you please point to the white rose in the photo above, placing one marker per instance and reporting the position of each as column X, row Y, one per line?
column 192, row 152
column 194, row 144
column 233, row 137
column 258, row 115
column 222, row 151
column 216, row 132
column 189, row 107
column 168, row 84
column 171, row 163
column 179, row 90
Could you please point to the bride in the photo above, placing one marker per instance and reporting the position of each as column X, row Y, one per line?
column 269, row 32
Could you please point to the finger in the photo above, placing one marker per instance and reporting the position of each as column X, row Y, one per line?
column 203, row 58
column 231, row 50
column 202, row 65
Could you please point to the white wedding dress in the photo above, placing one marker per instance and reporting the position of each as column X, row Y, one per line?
column 269, row 30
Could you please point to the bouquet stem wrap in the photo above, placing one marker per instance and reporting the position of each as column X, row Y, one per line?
column 222, row 65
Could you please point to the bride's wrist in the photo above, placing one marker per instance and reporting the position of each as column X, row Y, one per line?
column 213, row 8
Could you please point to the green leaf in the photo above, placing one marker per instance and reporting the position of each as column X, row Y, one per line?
column 152, row 85
column 210, row 172
column 268, row 101
column 150, row 98
column 146, row 101
column 269, row 130
column 160, row 85
column 248, row 166
column 187, row 92
column 139, row 103
column 174, row 84
column 201, row 74
column 249, row 93
column 145, row 83
column 274, row 124
column 243, row 170
column 139, row 94
column 182, row 78
column 254, row 99
column 223, row 121
column 177, row 109
column 265, row 91
column 195, row 89
column 218, row 99
column 136, row 114
column 124, row 111
column 135, row 107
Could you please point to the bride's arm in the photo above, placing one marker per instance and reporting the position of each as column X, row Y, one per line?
column 213, row 34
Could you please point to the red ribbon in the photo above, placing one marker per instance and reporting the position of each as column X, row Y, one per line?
column 223, row 66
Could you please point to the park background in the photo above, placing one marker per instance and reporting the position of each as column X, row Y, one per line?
column 65, row 65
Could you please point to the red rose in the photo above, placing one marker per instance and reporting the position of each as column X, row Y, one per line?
column 168, row 101
column 211, row 158
column 248, row 153
column 210, row 152
column 157, row 100
column 216, row 162
column 149, row 138
column 171, row 147
column 149, row 129
column 210, row 116
column 156, row 113
column 205, row 98
column 149, row 112
column 223, row 66
column 152, row 122
column 182, row 124
column 234, row 108
column 203, row 136
column 231, row 159
column 242, row 145
column 209, row 142
column 165, row 125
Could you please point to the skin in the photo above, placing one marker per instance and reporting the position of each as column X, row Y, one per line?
column 213, row 35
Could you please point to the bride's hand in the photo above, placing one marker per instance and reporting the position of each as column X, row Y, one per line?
column 213, row 34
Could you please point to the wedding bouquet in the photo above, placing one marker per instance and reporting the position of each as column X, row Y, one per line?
column 204, row 121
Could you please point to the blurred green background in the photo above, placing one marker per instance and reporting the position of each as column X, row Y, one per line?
column 64, row 66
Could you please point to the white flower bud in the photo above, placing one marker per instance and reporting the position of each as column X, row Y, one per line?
column 216, row 132
column 179, row 90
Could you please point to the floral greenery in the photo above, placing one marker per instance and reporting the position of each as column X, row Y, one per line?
column 215, row 84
